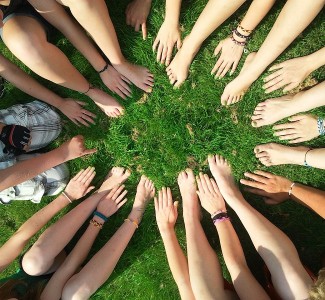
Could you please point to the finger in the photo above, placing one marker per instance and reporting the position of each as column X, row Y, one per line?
column 290, row 86
column 225, row 70
column 88, row 151
column 82, row 121
column 222, row 66
column 137, row 26
column 119, row 92
column 214, row 185
column 256, row 191
column 217, row 65
column 75, row 178
column 275, row 87
column 169, row 197
column 164, row 54
column 285, row 132
column 299, row 140
column 208, row 183
column 277, row 66
column 297, row 118
column 155, row 44
column 273, row 76
column 122, row 203
column 234, row 66
column 159, row 52
column 156, row 204
column 88, row 113
column 90, row 178
column 253, row 184
column 263, row 173
column 120, row 197
column 289, row 137
column 86, row 173
column 113, row 191
column 179, row 44
column 144, row 30
column 117, row 192
column 169, row 55
column 199, row 184
column 218, row 48
column 88, row 119
column 160, row 199
column 125, row 85
column 257, row 178
column 204, row 185
column 164, row 196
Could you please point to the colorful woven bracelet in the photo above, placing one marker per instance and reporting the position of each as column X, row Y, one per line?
column 96, row 224
column 100, row 215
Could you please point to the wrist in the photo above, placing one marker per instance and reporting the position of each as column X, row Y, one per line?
column 98, row 219
column 312, row 62
column 166, row 230
column 171, row 22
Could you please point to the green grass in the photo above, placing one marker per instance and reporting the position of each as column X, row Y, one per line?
column 172, row 130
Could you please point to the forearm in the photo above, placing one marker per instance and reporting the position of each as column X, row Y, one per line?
column 30, row 168
column 316, row 59
column 177, row 263
column 53, row 290
column 13, row 247
column 173, row 8
column 244, row 282
column 27, row 84
column 255, row 14
column 310, row 197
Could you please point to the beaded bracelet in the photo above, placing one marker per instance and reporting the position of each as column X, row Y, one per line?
column 245, row 30
column 236, row 32
column 96, row 224
column 320, row 126
column 237, row 42
column 135, row 223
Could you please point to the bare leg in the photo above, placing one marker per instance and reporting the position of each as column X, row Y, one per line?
column 86, row 282
column 56, row 237
column 293, row 19
column 94, row 17
column 273, row 110
column 26, row 39
column 280, row 255
column 273, row 154
column 213, row 15
column 204, row 268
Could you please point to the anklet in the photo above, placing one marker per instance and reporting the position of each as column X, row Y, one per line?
column 96, row 224
column 65, row 195
column 320, row 126
column 100, row 215
column 305, row 161
column 104, row 69
column 135, row 223
column 290, row 190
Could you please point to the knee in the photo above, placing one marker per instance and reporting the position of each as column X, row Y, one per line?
column 73, row 290
column 33, row 263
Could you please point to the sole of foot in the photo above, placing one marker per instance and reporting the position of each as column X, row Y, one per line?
column 145, row 192
column 115, row 177
column 235, row 90
column 273, row 154
column 138, row 75
column 273, row 110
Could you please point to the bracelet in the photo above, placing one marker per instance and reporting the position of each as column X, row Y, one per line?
column 136, row 224
column 91, row 87
column 320, row 126
column 237, row 42
column 96, row 224
column 221, row 220
column 65, row 195
column 100, row 215
column 245, row 30
column 236, row 32
column 220, row 216
column 218, row 212
column 305, row 161
column 103, row 69
column 290, row 190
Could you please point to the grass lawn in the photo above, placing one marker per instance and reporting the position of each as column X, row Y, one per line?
column 169, row 130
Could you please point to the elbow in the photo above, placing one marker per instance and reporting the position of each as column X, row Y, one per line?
column 76, row 290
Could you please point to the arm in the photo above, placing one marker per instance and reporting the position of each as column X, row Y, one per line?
column 76, row 188
column 244, row 282
column 72, row 109
column 28, row 169
column 166, row 216
column 108, row 205
column 275, row 189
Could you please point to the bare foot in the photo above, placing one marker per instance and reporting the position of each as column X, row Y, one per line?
column 273, row 110
column 115, row 177
column 187, row 187
column 106, row 103
column 221, row 171
column 116, row 82
column 138, row 75
column 274, row 154
column 235, row 90
column 178, row 69
column 145, row 192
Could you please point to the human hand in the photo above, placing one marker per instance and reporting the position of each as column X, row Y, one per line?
column 229, row 57
column 78, row 186
column 166, row 210
column 209, row 194
column 76, row 113
column 116, row 82
column 75, row 148
column 274, row 189
column 112, row 201
column 168, row 36
column 137, row 13
column 300, row 129
column 289, row 74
